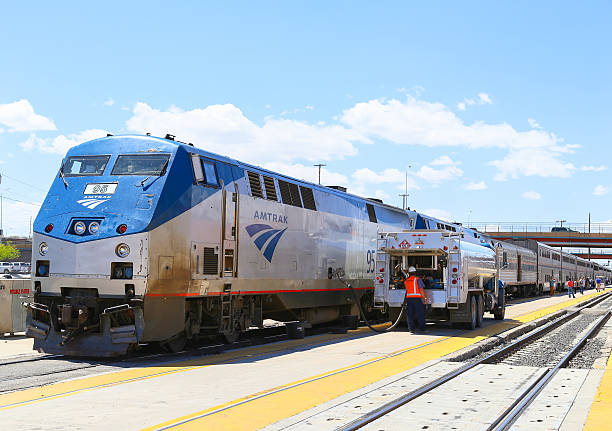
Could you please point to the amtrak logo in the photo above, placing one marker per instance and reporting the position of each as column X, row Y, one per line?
column 265, row 235
column 91, row 203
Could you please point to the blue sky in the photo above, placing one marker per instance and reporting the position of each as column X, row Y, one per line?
column 501, row 109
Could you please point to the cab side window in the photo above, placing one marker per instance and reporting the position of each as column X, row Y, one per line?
column 204, row 171
column 210, row 173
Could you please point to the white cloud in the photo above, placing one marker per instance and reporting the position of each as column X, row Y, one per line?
column 594, row 168
column 438, row 213
column 417, row 122
column 308, row 173
column 484, row 99
column 533, row 123
column 442, row 161
column 532, row 195
column 481, row 185
column 381, row 194
column 532, row 162
column 224, row 129
column 364, row 177
column 109, row 102
column 437, row 176
column 600, row 190
column 62, row 143
column 20, row 117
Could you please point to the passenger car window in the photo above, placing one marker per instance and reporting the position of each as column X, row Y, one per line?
column 141, row 164
column 77, row 166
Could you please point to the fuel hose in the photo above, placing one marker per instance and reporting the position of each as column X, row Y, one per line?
column 363, row 315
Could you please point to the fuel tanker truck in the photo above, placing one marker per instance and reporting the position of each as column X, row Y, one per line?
column 461, row 275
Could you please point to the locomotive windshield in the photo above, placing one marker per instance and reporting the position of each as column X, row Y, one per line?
column 77, row 166
column 141, row 164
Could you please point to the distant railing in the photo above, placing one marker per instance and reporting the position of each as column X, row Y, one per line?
column 538, row 227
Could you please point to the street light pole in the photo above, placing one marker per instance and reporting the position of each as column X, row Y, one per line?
column 320, row 165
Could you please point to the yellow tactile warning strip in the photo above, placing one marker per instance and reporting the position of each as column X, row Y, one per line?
column 258, row 410
column 73, row 387
column 600, row 415
column 62, row 389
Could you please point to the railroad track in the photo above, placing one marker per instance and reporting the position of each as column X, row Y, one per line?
column 508, row 353
column 32, row 371
column 22, row 373
column 254, row 337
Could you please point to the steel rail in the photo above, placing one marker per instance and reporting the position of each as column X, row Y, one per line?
column 511, row 414
column 404, row 399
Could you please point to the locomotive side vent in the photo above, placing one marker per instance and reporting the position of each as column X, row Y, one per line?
column 308, row 198
column 211, row 261
column 255, row 184
column 270, row 189
column 290, row 193
column 284, row 191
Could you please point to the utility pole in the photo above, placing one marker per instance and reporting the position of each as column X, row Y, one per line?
column 405, row 195
column 561, row 221
column 1, row 230
column 320, row 165
column 561, row 256
column 589, row 235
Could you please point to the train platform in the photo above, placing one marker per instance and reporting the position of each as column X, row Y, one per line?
column 276, row 385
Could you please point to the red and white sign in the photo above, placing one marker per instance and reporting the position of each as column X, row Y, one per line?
column 404, row 244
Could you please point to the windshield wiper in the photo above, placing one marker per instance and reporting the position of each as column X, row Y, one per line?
column 161, row 173
column 61, row 174
column 142, row 183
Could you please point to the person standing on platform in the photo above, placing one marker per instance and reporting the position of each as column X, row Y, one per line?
column 570, row 289
column 581, row 284
column 598, row 284
column 415, row 300
column 552, row 286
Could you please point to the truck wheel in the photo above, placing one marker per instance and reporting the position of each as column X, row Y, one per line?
column 6, row 271
column 480, row 310
column 473, row 313
column 499, row 313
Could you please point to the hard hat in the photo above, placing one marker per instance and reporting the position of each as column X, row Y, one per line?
column 412, row 269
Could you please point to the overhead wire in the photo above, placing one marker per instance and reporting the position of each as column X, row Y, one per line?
column 20, row 201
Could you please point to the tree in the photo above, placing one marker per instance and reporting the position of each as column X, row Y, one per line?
column 8, row 252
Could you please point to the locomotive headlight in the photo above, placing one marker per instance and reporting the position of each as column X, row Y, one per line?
column 79, row 228
column 122, row 250
column 43, row 248
column 94, row 227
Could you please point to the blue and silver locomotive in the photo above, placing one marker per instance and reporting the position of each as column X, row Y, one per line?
column 143, row 239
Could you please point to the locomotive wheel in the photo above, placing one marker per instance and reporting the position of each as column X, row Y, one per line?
column 174, row 344
column 473, row 313
column 480, row 311
column 231, row 337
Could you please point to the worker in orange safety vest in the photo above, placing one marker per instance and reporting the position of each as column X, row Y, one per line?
column 415, row 300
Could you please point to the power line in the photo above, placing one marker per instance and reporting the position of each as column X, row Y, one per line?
column 23, row 202
column 22, row 182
